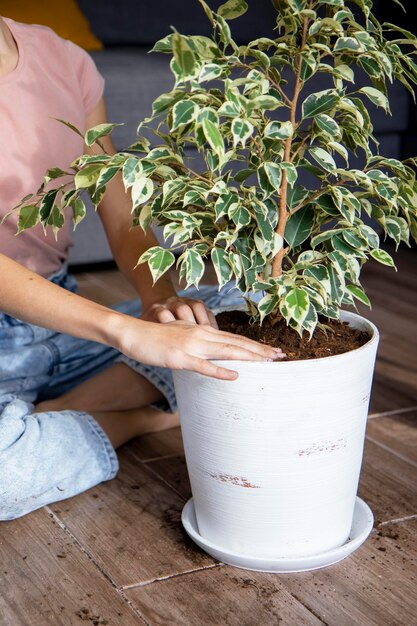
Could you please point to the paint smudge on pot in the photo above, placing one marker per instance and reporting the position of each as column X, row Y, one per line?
column 322, row 447
column 240, row 481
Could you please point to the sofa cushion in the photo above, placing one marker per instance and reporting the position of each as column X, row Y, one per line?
column 146, row 21
column 65, row 18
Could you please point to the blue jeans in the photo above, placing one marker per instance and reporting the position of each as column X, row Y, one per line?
column 51, row 456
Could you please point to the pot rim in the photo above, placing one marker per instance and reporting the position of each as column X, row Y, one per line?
column 345, row 316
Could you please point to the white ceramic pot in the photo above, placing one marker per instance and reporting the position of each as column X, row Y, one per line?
column 274, row 457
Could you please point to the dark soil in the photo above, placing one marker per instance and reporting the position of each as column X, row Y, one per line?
column 338, row 338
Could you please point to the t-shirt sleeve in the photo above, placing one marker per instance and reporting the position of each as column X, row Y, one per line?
column 89, row 78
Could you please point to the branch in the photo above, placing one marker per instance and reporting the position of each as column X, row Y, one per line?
column 283, row 213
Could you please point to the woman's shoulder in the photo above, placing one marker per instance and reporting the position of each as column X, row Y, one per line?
column 40, row 37
column 33, row 32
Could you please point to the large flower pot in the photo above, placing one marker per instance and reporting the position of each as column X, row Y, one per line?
column 274, row 458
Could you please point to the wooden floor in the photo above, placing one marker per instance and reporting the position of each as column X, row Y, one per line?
column 117, row 554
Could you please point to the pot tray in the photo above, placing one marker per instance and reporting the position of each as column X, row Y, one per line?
column 363, row 521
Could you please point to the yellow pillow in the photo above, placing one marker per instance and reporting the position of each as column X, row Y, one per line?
column 65, row 18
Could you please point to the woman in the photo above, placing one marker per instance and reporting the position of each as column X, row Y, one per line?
column 66, row 403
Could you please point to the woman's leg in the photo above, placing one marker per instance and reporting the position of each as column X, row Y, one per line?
column 46, row 457
column 119, row 399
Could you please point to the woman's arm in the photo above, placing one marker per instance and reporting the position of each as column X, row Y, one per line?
column 160, row 301
column 178, row 345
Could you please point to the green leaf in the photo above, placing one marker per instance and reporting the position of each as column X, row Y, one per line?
column 241, row 131
column 267, row 103
column 96, row 132
column 145, row 217
column 273, row 173
column 240, row 215
column 344, row 72
column 142, row 190
column 87, row 176
column 183, row 113
column 159, row 260
column 194, row 267
column 223, row 204
column 28, row 217
column 232, row 9
column 221, row 266
column 170, row 189
column 163, row 45
column 359, row 294
column 371, row 67
column 319, row 103
column 323, row 158
column 320, row 277
column 224, row 30
column 207, row 10
column 268, row 304
column 382, row 257
column 299, row 226
column 347, row 44
column 296, row 305
column 164, row 101
column 339, row 261
column 229, row 109
column 265, row 237
column 337, row 284
column 47, row 204
column 183, row 55
column 131, row 171
column 210, row 71
column 140, row 145
column 376, row 97
column 56, row 219
column 291, row 172
column 54, row 172
column 279, row 130
column 328, row 125
column 213, row 136
column 78, row 211
column 106, row 174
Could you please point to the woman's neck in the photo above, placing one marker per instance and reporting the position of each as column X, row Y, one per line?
column 9, row 54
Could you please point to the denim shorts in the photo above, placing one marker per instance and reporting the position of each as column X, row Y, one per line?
column 51, row 456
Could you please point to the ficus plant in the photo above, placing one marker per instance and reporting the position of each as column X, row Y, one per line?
column 295, row 249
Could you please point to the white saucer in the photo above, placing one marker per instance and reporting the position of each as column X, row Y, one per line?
column 363, row 521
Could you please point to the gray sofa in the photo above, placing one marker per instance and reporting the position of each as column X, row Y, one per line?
column 134, row 78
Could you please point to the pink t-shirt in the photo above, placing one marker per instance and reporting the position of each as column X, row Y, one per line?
column 54, row 78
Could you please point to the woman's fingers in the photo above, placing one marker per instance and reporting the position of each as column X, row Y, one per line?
column 248, row 344
column 230, row 351
column 207, row 368
column 181, row 309
column 202, row 314
column 164, row 315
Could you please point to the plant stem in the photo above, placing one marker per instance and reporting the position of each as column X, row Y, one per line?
column 271, row 80
column 283, row 213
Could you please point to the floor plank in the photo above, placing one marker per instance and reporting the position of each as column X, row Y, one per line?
column 46, row 580
column 223, row 596
column 398, row 432
column 132, row 526
column 156, row 445
column 376, row 586
column 388, row 395
column 388, row 484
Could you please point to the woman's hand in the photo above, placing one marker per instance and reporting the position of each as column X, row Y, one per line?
column 183, row 345
column 176, row 308
column 178, row 345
